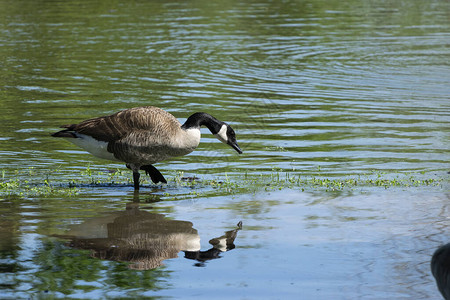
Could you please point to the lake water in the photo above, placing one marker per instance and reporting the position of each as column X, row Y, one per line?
column 317, row 89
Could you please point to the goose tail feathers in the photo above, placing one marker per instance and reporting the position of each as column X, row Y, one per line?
column 64, row 134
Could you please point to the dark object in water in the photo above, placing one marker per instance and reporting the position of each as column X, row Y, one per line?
column 440, row 267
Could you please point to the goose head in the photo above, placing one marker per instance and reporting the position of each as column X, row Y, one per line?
column 221, row 130
column 227, row 136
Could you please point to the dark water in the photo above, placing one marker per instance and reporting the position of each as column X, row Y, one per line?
column 344, row 87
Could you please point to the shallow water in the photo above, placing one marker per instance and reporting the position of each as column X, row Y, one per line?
column 349, row 245
column 313, row 88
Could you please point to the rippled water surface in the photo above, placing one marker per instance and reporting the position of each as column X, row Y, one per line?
column 333, row 89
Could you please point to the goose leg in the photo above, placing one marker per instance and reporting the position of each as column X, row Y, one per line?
column 136, row 176
column 154, row 174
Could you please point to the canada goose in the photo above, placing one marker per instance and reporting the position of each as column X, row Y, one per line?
column 142, row 136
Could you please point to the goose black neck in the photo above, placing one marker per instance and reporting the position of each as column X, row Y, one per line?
column 202, row 119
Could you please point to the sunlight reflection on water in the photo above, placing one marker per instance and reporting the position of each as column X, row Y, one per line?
column 314, row 88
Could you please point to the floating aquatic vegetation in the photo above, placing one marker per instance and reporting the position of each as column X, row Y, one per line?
column 32, row 182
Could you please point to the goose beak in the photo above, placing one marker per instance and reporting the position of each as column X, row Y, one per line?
column 235, row 146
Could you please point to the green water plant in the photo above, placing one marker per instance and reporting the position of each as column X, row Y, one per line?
column 32, row 182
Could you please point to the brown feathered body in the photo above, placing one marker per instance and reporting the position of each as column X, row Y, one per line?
column 137, row 136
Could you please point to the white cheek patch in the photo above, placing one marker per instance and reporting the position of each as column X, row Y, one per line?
column 222, row 134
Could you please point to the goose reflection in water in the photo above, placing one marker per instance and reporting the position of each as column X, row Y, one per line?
column 144, row 239
column 220, row 244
